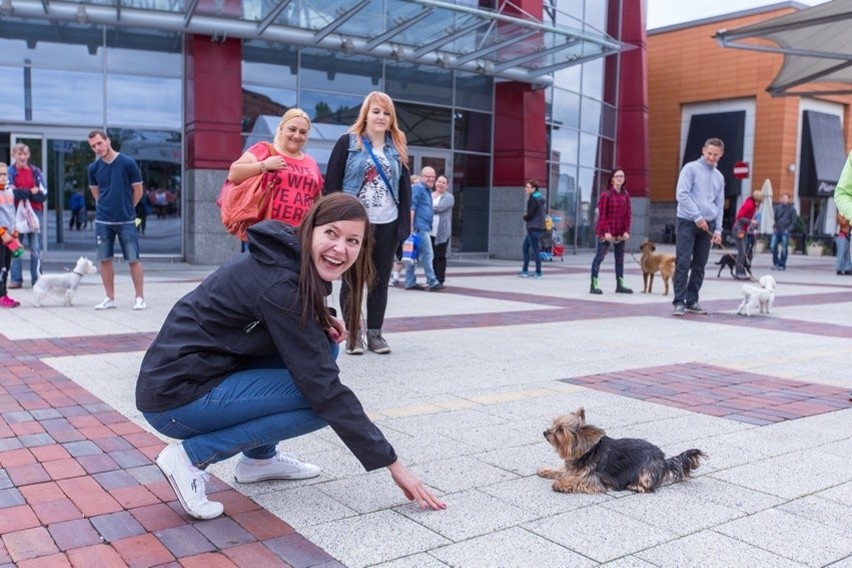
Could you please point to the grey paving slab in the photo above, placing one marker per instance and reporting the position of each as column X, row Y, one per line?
column 534, row 494
column 792, row 475
column 374, row 538
column 459, row 474
column 841, row 494
column 511, row 548
column 673, row 511
column 304, row 506
column 708, row 549
column 736, row 497
column 599, row 533
column 823, row 511
column 793, row 537
column 422, row 560
column 364, row 493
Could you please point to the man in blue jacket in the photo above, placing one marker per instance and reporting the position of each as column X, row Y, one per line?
column 421, row 226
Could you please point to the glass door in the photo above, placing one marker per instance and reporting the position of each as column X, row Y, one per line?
column 440, row 160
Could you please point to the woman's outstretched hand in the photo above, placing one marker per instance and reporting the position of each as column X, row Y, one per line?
column 413, row 488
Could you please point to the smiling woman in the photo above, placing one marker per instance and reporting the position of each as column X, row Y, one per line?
column 259, row 369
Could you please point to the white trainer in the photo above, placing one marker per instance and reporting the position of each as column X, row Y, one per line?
column 106, row 304
column 140, row 303
column 281, row 466
column 188, row 483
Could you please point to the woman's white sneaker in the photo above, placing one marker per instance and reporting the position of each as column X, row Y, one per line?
column 188, row 483
column 281, row 466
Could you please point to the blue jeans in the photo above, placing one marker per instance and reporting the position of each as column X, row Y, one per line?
column 843, row 263
column 779, row 240
column 600, row 254
column 249, row 412
column 692, row 251
column 128, row 238
column 532, row 241
column 32, row 242
column 426, row 256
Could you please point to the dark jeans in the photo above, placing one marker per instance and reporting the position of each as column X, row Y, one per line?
column 384, row 246
column 692, row 251
column 440, row 261
column 532, row 241
column 600, row 254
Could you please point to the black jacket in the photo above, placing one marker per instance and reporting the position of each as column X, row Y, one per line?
column 535, row 212
column 250, row 307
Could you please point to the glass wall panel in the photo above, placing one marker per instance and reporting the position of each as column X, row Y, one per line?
column 146, row 62
column 424, row 125
column 595, row 16
column 587, row 202
column 12, row 94
column 593, row 73
column 330, row 71
column 267, row 65
column 415, row 83
column 136, row 101
column 608, row 121
column 264, row 101
column 568, row 78
column 46, row 52
column 474, row 91
column 588, row 150
column 471, row 189
column 473, row 131
column 590, row 119
column 331, row 108
column 67, row 97
column 566, row 109
column 564, row 145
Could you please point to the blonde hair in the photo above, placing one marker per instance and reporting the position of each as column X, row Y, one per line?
column 287, row 117
column 397, row 136
column 757, row 195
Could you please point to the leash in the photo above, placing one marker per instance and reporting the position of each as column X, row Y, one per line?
column 735, row 255
column 615, row 240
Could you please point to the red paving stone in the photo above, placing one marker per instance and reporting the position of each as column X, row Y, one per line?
column 725, row 393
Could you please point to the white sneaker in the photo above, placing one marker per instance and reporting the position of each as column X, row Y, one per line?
column 282, row 466
column 106, row 304
column 188, row 483
column 140, row 303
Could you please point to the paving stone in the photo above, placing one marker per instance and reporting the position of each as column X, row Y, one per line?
column 29, row 543
column 184, row 540
column 74, row 534
column 224, row 532
column 143, row 550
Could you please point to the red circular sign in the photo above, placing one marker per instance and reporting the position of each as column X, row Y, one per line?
column 741, row 170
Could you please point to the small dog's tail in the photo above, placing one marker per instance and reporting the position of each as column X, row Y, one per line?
column 680, row 467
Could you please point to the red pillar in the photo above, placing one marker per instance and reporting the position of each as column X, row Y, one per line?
column 632, row 124
column 213, row 102
column 520, row 141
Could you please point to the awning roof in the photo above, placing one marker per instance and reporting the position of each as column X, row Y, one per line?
column 449, row 34
column 816, row 45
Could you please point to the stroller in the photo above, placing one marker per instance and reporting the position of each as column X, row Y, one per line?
column 546, row 246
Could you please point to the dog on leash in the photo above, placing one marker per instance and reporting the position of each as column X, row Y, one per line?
column 729, row 261
column 595, row 463
column 652, row 262
column 758, row 298
column 63, row 286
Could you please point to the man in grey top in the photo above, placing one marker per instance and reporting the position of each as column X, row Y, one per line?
column 700, row 200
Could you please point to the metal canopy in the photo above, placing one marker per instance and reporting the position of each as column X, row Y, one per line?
column 441, row 33
column 816, row 45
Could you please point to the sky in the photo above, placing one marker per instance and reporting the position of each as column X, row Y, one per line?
column 670, row 12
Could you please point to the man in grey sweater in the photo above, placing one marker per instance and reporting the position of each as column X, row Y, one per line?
column 700, row 198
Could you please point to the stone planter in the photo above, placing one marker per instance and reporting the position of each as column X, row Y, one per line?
column 815, row 250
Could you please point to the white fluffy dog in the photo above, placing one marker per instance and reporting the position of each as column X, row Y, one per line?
column 63, row 286
column 758, row 299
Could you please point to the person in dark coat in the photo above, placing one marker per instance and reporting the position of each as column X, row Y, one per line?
column 243, row 361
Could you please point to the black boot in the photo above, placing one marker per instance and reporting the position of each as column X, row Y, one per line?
column 620, row 288
column 593, row 289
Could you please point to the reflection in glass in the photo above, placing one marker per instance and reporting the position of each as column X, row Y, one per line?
column 566, row 108
column 48, row 53
column 12, row 94
column 418, row 83
column 146, row 62
column 590, row 119
column 260, row 101
column 273, row 65
column 144, row 101
column 67, row 97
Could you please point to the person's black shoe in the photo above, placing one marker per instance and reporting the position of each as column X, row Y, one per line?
column 416, row 287
column 695, row 308
column 437, row 287
column 679, row 310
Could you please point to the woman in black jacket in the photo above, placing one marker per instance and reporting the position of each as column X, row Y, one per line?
column 243, row 361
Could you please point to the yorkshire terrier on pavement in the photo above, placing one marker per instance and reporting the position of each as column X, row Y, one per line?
column 595, row 463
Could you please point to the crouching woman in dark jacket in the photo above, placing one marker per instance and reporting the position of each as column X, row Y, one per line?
column 243, row 361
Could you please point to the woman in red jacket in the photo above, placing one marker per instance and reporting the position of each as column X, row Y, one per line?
column 744, row 219
column 614, row 216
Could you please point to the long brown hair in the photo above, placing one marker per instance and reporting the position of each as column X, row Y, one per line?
column 331, row 208
column 397, row 136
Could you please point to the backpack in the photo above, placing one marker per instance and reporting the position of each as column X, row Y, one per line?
column 244, row 204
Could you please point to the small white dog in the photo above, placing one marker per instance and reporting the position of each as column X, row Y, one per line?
column 63, row 286
column 758, row 299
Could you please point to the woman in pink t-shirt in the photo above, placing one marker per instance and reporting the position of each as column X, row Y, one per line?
column 296, row 178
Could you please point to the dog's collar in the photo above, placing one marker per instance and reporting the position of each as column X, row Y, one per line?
column 80, row 274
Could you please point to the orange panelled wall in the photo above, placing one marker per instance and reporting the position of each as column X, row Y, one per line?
column 686, row 65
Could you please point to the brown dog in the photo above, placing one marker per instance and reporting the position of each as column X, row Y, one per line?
column 652, row 262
